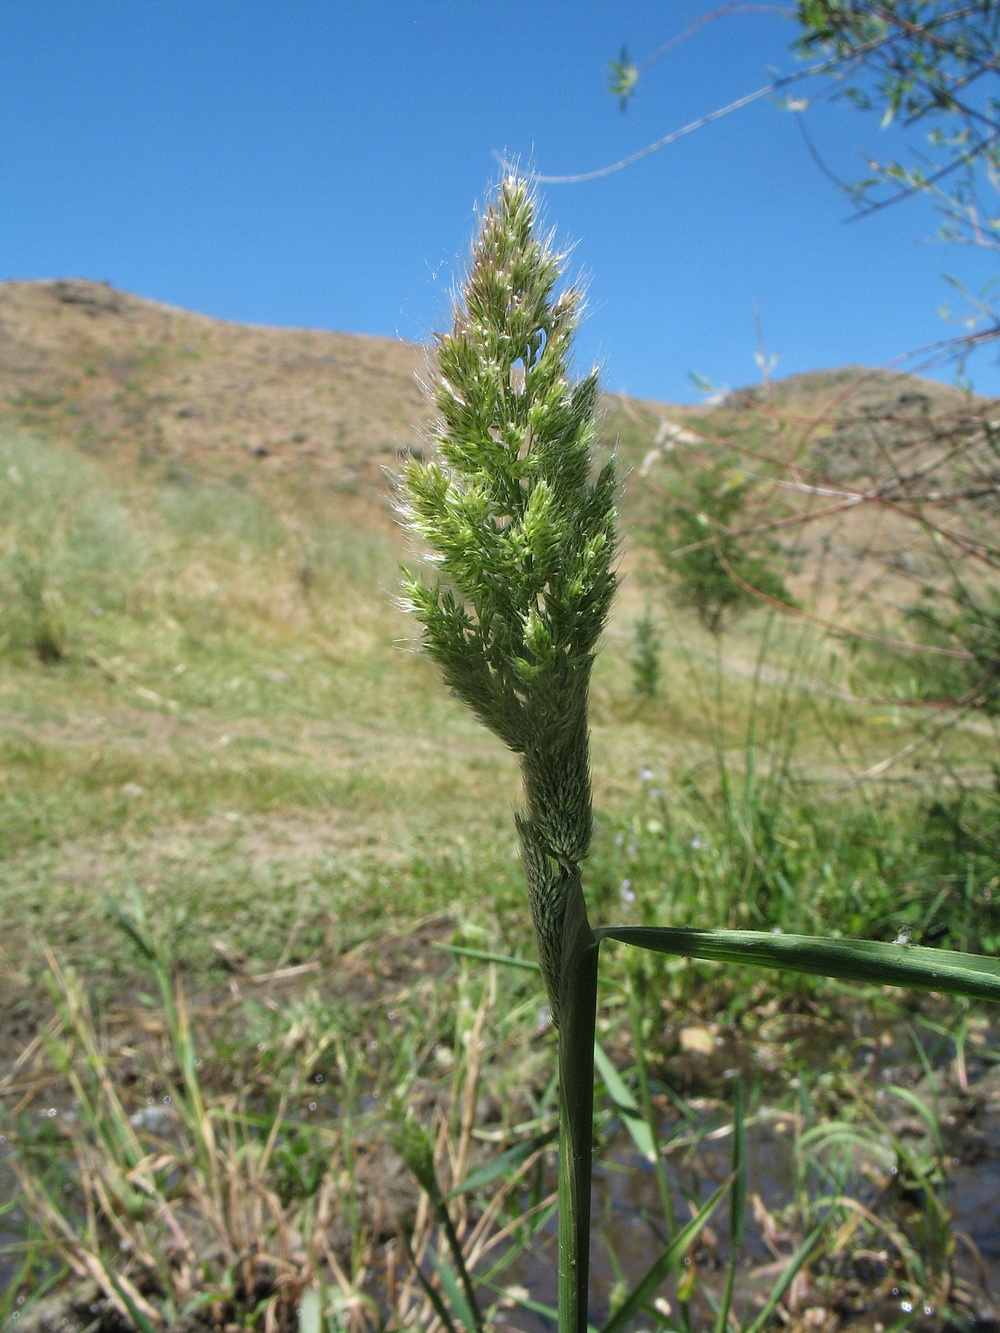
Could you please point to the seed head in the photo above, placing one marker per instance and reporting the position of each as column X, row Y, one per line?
column 522, row 533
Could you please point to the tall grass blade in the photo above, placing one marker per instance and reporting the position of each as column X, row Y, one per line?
column 142, row 1322
column 468, row 1306
column 414, row 1145
column 850, row 960
column 484, row 956
column 737, row 1207
column 626, row 1105
column 795, row 1266
column 649, row 1115
column 504, row 1164
column 645, row 1291
column 738, row 1197
column 431, row 1292
column 536, row 1307
column 454, row 1290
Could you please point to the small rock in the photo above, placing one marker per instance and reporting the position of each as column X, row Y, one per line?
column 698, row 1041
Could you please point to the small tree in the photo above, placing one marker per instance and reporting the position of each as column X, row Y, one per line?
column 714, row 572
column 644, row 656
column 910, row 61
column 930, row 64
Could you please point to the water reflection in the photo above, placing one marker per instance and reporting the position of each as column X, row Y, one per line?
column 628, row 1229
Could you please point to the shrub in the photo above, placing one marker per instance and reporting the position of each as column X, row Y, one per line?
column 66, row 548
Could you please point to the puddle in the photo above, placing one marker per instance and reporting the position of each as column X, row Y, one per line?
column 626, row 1197
column 974, row 1194
column 8, row 1191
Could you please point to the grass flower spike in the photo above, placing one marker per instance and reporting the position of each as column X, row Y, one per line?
column 523, row 534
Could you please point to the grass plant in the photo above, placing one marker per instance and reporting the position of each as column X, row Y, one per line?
column 67, row 550
column 185, row 1187
column 645, row 656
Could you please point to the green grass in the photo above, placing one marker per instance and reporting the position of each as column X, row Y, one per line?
column 244, row 681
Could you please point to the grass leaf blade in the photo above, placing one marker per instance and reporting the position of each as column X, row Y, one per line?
column 626, row 1105
column 850, row 960
column 453, row 1290
column 795, row 1265
column 668, row 1260
column 506, row 1162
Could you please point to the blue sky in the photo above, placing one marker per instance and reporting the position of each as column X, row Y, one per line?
column 317, row 163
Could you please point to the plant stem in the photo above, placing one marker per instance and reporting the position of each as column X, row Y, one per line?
column 578, row 1009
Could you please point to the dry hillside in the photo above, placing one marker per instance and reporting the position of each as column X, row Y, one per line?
column 143, row 386
column 133, row 381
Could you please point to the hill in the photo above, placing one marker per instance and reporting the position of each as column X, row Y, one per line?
column 132, row 382
column 149, row 390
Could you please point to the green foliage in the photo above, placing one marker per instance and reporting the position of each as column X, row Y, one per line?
column 250, row 1186
column 715, row 573
column 781, row 855
column 919, row 61
column 960, row 632
column 973, row 622
column 524, row 538
column 231, row 514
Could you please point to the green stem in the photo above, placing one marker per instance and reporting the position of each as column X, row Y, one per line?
column 645, row 1094
column 578, row 1010
column 455, row 1245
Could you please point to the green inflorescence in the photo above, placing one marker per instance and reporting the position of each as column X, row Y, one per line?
column 523, row 534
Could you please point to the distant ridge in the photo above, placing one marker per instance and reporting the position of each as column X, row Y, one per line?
column 857, row 388
column 133, row 380
column 136, row 383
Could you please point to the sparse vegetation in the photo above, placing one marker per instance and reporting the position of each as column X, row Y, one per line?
column 68, row 552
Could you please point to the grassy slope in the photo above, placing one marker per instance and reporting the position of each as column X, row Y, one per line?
column 231, row 724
